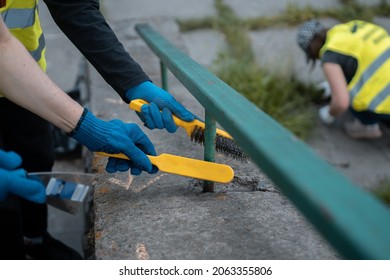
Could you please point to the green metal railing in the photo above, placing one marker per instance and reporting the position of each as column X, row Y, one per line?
column 353, row 221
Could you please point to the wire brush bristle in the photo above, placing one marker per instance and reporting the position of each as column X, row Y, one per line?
column 222, row 144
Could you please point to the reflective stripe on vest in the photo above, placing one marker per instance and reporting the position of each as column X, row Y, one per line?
column 37, row 54
column 19, row 18
column 375, row 65
column 384, row 94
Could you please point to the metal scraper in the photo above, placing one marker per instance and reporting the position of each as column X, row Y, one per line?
column 66, row 191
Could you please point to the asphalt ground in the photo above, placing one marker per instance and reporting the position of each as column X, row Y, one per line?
column 168, row 217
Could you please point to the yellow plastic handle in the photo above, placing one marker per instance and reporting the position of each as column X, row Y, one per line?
column 189, row 127
column 188, row 167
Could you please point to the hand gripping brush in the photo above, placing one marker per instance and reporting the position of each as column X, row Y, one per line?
column 224, row 142
column 188, row 167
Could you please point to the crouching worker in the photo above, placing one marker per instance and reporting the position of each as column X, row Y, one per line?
column 355, row 59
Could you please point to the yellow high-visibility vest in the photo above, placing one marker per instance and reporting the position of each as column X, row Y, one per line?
column 369, row 44
column 22, row 20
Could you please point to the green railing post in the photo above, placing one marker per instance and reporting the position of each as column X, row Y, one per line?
column 164, row 76
column 209, row 146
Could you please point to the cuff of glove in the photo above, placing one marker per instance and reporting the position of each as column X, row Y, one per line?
column 88, row 130
column 73, row 132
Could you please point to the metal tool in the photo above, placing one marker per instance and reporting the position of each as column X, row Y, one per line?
column 188, row 167
column 66, row 191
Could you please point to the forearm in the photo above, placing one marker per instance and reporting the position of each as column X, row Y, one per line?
column 335, row 108
column 340, row 95
column 83, row 23
column 23, row 82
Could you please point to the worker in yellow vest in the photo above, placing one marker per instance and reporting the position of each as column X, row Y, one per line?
column 30, row 136
column 355, row 58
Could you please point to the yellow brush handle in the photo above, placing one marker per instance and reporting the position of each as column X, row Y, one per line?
column 188, row 167
column 189, row 127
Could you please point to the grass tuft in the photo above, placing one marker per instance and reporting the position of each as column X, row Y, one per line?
column 277, row 95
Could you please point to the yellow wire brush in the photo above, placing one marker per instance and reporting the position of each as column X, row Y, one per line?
column 224, row 142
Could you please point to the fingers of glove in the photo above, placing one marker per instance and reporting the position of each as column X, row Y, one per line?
column 29, row 189
column 153, row 116
column 130, row 140
column 135, row 145
column 152, row 93
column 156, row 115
column 138, row 158
column 169, row 123
column 181, row 112
column 136, row 171
column 167, row 101
column 115, row 164
column 141, row 117
column 9, row 160
column 110, row 167
column 147, row 117
column 154, row 170
column 140, row 140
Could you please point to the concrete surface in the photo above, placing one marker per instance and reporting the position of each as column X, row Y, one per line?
column 164, row 216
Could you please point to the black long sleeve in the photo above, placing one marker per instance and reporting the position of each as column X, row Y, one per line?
column 82, row 22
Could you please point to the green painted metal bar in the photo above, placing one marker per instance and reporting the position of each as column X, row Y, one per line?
column 209, row 146
column 164, row 76
column 351, row 219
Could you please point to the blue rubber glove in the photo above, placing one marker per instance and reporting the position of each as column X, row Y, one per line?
column 13, row 179
column 116, row 137
column 159, row 99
